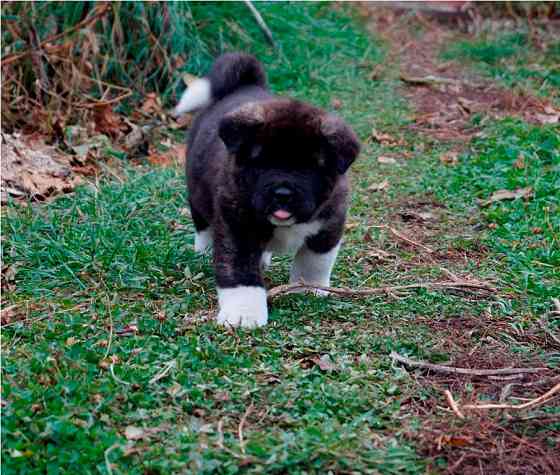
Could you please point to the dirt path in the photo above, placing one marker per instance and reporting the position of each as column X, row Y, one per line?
column 445, row 95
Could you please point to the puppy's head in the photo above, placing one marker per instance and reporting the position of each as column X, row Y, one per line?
column 289, row 156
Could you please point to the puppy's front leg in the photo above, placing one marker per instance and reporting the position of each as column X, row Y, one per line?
column 241, row 292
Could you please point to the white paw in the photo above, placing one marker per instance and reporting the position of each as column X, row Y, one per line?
column 242, row 306
column 266, row 260
column 202, row 240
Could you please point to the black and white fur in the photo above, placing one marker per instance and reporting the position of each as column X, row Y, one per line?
column 265, row 174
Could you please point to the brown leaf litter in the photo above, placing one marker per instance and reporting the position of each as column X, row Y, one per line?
column 36, row 171
column 457, row 424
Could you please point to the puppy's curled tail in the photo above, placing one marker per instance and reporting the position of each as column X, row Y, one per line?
column 229, row 72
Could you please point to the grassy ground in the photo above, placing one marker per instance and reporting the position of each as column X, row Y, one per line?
column 112, row 363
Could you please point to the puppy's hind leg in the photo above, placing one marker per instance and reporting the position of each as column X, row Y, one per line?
column 314, row 268
column 266, row 260
column 203, row 232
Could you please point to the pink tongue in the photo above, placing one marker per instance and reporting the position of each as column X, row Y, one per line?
column 281, row 214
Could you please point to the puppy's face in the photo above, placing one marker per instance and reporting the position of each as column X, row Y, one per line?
column 288, row 156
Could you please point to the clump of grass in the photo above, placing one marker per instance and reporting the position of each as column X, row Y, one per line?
column 100, row 52
column 489, row 51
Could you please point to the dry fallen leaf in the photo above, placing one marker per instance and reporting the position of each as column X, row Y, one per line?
column 379, row 186
column 8, row 314
column 386, row 160
column 222, row 396
column 547, row 119
column 173, row 156
column 188, row 78
column 108, row 122
column 182, row 122
column 520, row 162
column 385, row 139
column 502, row 195
column 551, row 115
column 454, row 441
column 336, row 103
column 324, row 362
column 134, row 433
column 174, row 389
column 410, row 215
column 128, row 330
column 34, row 170
column 449, row 158
column 152, row 104
column 8, row 278
column 380, row 255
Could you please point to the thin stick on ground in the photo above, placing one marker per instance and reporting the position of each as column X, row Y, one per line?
column 240, row 428
column 453, row 370
column 544, row 323
column 115, row 377
column 259, row 19
column 163, row 373
column 395, row 233
column 404, row 238
column 463, row 285
column 533, row 402
column 452, row 404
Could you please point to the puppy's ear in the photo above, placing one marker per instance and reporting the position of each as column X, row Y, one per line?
column 239, row 128
column 341, row 142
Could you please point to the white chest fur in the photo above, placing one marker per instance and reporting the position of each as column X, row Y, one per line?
column 291, row 238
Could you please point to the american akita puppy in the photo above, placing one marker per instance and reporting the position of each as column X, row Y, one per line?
column 264, row 174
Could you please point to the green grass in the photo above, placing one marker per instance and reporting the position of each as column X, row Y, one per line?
column 524, row 233
column 513, row 60
column 116, row 328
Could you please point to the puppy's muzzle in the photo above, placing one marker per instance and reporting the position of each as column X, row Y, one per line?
column 282, row 198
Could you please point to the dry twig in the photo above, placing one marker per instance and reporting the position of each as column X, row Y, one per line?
column 346, row 292
column 259, row 19
column 452, row 404
column 10, row 58
column 163, row 373
column 533, row 402
column 395, row 233
column 453, row 370
column 427, row 80
column 240, row 428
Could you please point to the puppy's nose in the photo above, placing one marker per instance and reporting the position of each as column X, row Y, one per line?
column 283, row 194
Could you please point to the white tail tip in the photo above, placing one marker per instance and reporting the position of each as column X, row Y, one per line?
column 197, row 95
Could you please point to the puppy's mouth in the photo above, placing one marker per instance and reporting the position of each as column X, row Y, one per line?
column 282, row 217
